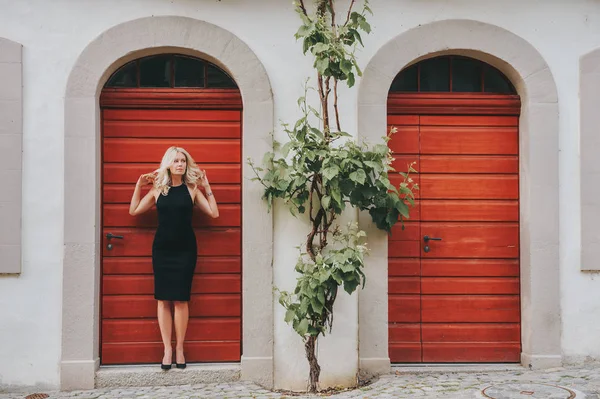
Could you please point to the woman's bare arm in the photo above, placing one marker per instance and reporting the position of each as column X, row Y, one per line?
column 138, row 206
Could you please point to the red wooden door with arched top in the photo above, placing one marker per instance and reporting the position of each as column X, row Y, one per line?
column 454, row 270
column 147, row 106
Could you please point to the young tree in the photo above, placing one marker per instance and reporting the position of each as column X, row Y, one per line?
column 320, row 171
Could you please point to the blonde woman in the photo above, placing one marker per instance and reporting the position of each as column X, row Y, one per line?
column 175, row 191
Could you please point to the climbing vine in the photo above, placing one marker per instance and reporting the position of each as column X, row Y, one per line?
column 320, row 171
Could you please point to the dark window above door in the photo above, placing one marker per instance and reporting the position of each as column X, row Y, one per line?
column 170, row 70
column 452, row 74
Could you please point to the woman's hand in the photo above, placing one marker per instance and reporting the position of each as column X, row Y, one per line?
column 204, row 181
column 138, row 206
column 146, row 178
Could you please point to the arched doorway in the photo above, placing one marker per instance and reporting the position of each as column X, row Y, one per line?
column 148, row 105
column 453, row 272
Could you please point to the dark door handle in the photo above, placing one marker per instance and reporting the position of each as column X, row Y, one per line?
column 111, row 235
column 427, row 239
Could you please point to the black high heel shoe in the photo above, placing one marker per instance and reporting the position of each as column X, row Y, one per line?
column 166, row 366
column 180, row 365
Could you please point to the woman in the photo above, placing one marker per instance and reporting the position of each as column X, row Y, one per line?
column 174, row 253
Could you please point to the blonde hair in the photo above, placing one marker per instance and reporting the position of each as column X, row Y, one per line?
column 192, row 174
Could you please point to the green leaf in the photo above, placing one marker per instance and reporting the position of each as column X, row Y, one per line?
column 402, row 208
column 351, row 80
column 364, row 25
column 374, row 165
column 320, row 47
column 346, row 66
column 317, row 132
column 359, row 176
column 331, row 172
column 350, row 285
column 321, row 297
column 337, row 196
column 289, row 316
column 302, row 327
column 325, row 201
column 316, row 305
column 322, row 64
column 357, row 36
column 302, row 31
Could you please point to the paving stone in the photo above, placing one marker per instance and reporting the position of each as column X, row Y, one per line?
column 400, row 384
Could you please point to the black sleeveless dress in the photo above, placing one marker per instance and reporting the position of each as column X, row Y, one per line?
column 174, row 250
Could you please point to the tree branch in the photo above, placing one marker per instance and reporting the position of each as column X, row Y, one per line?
column 335, row 105
column 332, row 16
column 324, row 105
column 349, row 12
column 302, row 7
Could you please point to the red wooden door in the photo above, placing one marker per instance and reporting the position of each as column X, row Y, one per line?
column 137, row 129
column 458, row 299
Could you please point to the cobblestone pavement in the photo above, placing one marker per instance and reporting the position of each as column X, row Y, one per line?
column 400, row 384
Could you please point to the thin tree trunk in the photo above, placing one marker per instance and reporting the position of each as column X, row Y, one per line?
column 315, row 369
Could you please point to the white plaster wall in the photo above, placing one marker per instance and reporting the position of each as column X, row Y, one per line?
column 55, row 33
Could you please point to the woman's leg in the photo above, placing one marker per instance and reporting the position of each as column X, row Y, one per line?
column 181, row 322
column 165, row 322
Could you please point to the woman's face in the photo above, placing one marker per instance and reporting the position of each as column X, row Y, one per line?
column 179, row 165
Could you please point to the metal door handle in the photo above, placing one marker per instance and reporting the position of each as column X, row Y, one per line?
column 427, row 239
column 111, row 235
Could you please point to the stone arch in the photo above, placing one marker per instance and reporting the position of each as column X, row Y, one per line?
column 539, row 230
column 82, row 236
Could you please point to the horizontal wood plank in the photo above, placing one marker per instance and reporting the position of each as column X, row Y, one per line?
column 121, row 193
column 469, row 120
column 462, row 352
column 144, row 285
column 404, row 309
column 470, row 309
column 404, row 285
column 405, row 352
column 404, row 267
column 453, row 104
column 144, row 306
column 199, row 329
column 469, row 140
column 505, row 164
column 470, row 285
column 138, row 242
column 405, row 140
column 469, row 210
column 143, row 265
column 401, row 163
column 401, row 120
column 471, row 332
column 152, row 150
column 472, row 240
column 130, row 173
column 405, row 332
column 470, row 267
column 469, row 186
column 172, row 130
column 152, row 352
column 404, row 249
column 181, row 115
column 117, row 215
column 171, row 98
column 409, row 231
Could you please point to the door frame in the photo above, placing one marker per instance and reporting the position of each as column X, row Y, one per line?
column 538, row 175
column 82, row 237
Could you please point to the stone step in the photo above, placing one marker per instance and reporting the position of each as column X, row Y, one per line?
column 152, row 375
